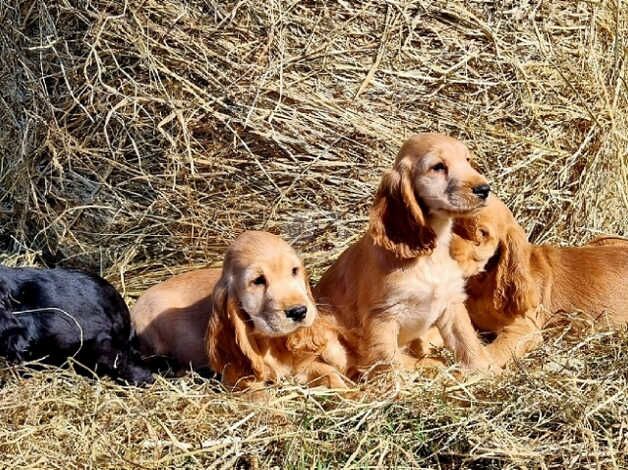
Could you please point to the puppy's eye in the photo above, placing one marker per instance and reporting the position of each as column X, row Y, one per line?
column 260, row 280
column 295, row 271
column 439, row 167
column 483, row 232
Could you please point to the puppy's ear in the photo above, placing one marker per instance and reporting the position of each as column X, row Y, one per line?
column 5, row 298
column 465, row 227
column 308, row 287
column 515, row 290
column 396, row 220
column 233, row 352
column 14, row 343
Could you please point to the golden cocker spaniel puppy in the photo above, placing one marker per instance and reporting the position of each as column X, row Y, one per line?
column 515, row 288
column 399, row 279
column 264, row 324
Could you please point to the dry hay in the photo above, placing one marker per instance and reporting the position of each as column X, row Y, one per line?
column 563, row 407
column 139, row 138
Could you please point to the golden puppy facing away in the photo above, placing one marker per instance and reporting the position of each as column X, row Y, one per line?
column 399, row 280
column 264, row 323
column 515, row 287
column 171, row 318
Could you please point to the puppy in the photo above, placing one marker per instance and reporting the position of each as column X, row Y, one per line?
column 171, row 318
column 264, row 324
column 398, row 280
column 515, row 288
column 53, row 314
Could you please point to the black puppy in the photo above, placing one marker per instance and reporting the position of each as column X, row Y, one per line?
column 54, row 314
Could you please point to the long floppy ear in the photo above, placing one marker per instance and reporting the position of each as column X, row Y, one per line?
column 5, row 297
column 396, row 220
column 14, row 342
column 515, row 289
column 232, row 350
column 465, row 227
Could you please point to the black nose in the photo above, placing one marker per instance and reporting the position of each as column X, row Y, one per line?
column 482, row 191
column 296, row 313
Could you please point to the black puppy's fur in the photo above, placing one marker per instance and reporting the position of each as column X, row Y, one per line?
column 54, row 314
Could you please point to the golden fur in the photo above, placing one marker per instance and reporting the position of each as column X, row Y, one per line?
column 250, row 340
column 398, row 280
column 171, row 318
column 516, row 288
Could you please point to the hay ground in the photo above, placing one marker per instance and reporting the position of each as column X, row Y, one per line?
column 139, row 138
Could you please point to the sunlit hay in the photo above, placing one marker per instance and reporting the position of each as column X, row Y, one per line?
column 139, row 138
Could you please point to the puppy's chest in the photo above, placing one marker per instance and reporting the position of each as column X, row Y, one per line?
column 281, row 363
column 420, row 294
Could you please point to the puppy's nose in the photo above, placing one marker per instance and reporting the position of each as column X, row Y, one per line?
column 296, row 313
column 482, row 191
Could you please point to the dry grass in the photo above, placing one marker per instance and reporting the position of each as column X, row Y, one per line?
column 138, row 138
column 563, row 407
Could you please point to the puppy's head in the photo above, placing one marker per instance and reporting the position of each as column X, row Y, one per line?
column 268, row 280
column 477, row 237
column 490, row 240
column 431, row 176
column 263, row 293
column 442, row 176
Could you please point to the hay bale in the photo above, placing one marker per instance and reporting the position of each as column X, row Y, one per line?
column 150, row 134
column 139, row 138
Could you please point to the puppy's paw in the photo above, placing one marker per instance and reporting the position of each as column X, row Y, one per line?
column 430, row 363
column 484, row 369
column 336, row 381
column 260, row 396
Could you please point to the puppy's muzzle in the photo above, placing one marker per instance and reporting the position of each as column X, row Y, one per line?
column 482, row 191
column 296, row 313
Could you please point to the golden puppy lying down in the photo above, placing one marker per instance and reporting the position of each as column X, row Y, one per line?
column 264, row 324
column 514, row 287
column 399, row 280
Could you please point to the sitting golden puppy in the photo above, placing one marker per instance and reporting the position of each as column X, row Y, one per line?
column 264, row 323
column 515, row 287
column 171, row 318
column 399, row 279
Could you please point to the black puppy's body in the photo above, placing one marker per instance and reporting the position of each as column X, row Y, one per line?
column 53, row 314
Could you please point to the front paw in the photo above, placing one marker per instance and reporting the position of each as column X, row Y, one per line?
column 335, row 381
column 481, row 362
column 486, row 367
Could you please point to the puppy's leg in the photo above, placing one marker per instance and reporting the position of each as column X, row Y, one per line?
column 252, row 388
column 419, row 348
column 422, row 347
column 323, row 374
column 460, row 337
column 380, row 349
column 515, row 340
